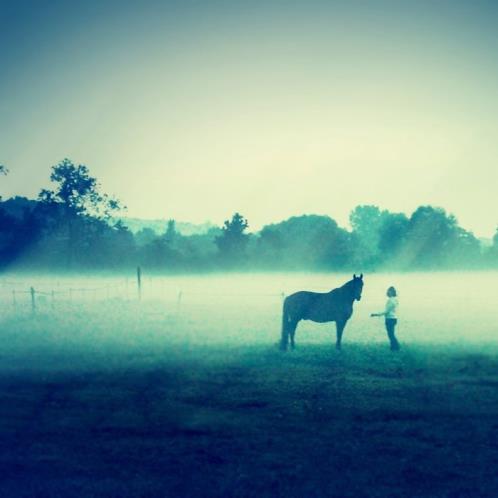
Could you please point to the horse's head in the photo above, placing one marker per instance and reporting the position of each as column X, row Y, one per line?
column 357, row 285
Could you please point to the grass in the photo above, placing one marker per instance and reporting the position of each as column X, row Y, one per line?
column 117, row 399
column 186, row 420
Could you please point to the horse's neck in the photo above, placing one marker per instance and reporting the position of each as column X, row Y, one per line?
column 347, row 291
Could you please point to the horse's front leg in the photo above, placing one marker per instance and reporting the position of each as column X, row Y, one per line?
column 340, row 324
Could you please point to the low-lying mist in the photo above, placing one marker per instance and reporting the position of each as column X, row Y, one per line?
column 72, row 320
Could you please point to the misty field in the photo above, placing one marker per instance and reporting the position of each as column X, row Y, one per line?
column 185, row 393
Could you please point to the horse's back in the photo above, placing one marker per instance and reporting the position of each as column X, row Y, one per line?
column 301, row 298
column 316, row 306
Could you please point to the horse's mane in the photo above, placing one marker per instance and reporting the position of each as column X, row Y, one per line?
column 347, row 285
column 342, row 288
column 349, row 282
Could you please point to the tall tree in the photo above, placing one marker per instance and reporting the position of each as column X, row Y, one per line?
column 77, row 192
column 431, row 238
column 76, row 208
column 393, row 232
column 492, row 252
column 307, row 242
column 366, row 222
column 145, row 236
column 233, row 240
column 171, row 234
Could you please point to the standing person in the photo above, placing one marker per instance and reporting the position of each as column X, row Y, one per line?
column 391, row 316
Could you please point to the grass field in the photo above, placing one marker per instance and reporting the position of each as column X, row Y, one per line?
column 120, row 399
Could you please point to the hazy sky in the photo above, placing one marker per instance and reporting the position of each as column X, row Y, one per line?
column 194, row 110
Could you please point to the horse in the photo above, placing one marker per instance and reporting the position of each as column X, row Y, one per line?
column 334, row 306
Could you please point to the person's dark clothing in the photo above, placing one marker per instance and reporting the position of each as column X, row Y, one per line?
column 390, row 327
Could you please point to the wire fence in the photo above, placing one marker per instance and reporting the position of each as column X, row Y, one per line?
column 45, row 294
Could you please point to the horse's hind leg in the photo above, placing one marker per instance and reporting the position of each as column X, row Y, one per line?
column 285, row 332
column 292, row 333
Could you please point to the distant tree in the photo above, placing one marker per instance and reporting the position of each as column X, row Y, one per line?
column 145, row 236
column 10, row 243
column 122, row 249
column 19, row 206
column 171, row 234
column 159, row 255
column 308, row 241
column 77, row 192
column 3, row 171
column 233, row 240
column 492, row 252
column 366, row 222
column 75, row 211
column 331, row 247
column 19, row 228
column 432, row 235
column 270, row 247
column 466, row 251
column 164, row 252
column 198, row 251
column 393, row 233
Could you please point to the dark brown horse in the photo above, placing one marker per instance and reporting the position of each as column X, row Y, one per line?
column 334, row 306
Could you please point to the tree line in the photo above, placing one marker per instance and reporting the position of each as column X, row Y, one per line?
column 71, row 227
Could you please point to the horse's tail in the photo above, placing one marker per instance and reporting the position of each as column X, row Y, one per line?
column 285, row 326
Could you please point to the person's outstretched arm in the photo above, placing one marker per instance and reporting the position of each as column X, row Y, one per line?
column 389, row 307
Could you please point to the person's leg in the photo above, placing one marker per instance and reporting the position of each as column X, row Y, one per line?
column 396, row 343
column 390, row 327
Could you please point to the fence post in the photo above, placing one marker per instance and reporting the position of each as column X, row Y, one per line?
column 53, row 299
column 33, row 303
column 139, row 282
column 179, row 302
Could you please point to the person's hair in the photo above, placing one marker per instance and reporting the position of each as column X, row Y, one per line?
column 391, row 292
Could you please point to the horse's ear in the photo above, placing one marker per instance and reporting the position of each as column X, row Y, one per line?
column 354, row 276
column 361, row 276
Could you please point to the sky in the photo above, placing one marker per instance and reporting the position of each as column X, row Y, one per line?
column 194, row 110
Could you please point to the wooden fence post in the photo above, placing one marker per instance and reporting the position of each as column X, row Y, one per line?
column 139, row 282
column 33, row 303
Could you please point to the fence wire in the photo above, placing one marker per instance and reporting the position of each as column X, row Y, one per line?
column 19, row 295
